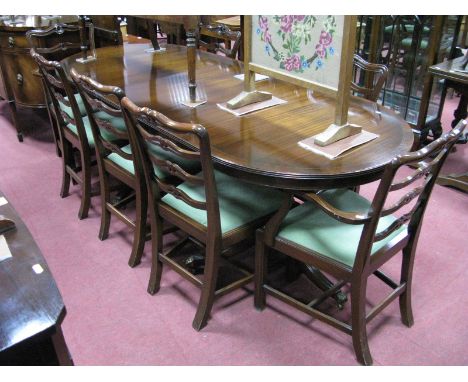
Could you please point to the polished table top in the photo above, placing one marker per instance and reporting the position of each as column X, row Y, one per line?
column 454, row 70
column 30, row 303
column 261, row 147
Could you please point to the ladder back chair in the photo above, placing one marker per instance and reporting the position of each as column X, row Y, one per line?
column 369, row 78
column 114, row 159
column 54, row 44
column 214, row 33
column 213, row 209
column 57, row 42
column 350, row 238
column 73, row 129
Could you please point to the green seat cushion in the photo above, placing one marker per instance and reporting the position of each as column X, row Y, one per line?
column 308, row 226
column 239, row 203
column 118, row 123
column 68, row 109
column 407, row 42
column 188, row 165
column 89, row 133
column 408, row 28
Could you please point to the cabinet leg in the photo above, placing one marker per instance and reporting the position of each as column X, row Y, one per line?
column 19, row 132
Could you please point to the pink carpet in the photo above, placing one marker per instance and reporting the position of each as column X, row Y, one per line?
column 111, row 319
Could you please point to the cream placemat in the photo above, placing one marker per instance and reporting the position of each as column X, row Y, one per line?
column 258, row 77
column 253, row 107
column 339, row 147
column 193, row 104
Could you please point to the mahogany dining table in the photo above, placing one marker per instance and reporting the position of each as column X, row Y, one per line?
column 261, row 147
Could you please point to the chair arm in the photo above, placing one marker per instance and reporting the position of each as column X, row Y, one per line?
column 355, row 217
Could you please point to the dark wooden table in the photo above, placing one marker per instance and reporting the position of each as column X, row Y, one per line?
column 458, row 80
column 261, row 147
column 31, row 307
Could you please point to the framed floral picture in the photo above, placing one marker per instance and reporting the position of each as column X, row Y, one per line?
column 314, row 51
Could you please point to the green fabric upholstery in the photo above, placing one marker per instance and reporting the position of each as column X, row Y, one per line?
column 89, row 133
column 310, row 227
column 239, row 203
column 118, row 123
column 68, row 109
column 407, row 42
column 188, row 165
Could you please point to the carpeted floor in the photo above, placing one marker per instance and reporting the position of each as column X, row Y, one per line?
column 111, row 319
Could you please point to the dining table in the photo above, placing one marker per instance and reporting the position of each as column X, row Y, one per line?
column 261, row 147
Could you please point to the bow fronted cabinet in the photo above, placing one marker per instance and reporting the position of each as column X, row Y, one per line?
column 408, row 46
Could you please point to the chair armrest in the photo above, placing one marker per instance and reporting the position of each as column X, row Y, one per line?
column 355, row 217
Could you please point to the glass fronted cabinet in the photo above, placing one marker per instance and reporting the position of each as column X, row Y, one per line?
column 408, row 45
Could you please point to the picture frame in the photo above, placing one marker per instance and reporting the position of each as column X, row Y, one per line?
column 295, row 49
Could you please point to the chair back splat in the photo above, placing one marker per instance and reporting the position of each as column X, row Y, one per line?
column 216, row 211
column 54, row 44
column 70, row 117
column 369, row 78
column 349, row 237
column 115, row 160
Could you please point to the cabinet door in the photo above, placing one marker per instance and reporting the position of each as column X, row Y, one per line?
column 20, row 71
column 3, row 91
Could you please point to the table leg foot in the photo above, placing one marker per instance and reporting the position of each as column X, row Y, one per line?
column 19, row 132
column 459, row 182
column 319, row 279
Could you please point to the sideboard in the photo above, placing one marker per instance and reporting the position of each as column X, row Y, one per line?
column 21, row 81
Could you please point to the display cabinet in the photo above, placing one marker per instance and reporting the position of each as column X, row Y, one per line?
column 408, row 45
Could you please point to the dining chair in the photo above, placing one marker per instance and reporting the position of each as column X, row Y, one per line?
column 368, row 78
column 350, row 238
column 215, row 210
column 114, row 160
column 54, row 43
column 74, row 131
column 213, row 33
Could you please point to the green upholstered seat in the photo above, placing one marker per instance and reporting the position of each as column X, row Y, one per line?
column 239, row 203
column 89, row 133
column 308, row 226
column 188, row 165
column 68, row 109
column 408, row 41
column 118, row 123
column 408, row 28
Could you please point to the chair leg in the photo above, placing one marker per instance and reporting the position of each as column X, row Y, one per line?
column 85, row 186
column 67, row 160
column 105, row 213
column 140, row 228
column 406, row 310
column 261, row 262
column 210, row 278
column 358, row 313
column 156, row 247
